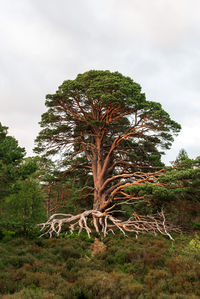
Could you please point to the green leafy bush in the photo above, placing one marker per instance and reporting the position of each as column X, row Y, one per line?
column 193, row 248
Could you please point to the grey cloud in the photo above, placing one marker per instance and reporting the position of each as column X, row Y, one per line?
column 45, row 42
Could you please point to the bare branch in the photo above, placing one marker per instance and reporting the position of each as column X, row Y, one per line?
column 105, row 222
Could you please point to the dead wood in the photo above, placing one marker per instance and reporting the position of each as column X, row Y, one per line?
column 105, row 222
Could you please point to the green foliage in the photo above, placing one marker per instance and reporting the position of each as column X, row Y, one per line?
column 101, row 103
column 194, row 244
column 128, row 268
column 101, row 88
column 196, row 225
column 83, row 236
column 178, row 192
column 193, row 248
column 7, row 234
column 33, row 293
column 24, row 208
column 21, row 200
column 11, row 156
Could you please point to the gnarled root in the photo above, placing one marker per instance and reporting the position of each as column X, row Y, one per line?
column 105, row 222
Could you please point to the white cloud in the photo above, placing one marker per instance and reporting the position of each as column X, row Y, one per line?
column 45, row 42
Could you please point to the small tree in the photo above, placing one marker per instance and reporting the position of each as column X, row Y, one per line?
column 11, row 156
column 183, row 184
column 181, row 159
column 178, row 191
column 102, row 122
column 21, row 200
column 25, row 207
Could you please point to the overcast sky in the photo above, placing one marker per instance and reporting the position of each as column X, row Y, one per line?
column 155, row 42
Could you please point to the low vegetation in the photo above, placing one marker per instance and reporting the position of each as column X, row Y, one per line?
column 79, row 267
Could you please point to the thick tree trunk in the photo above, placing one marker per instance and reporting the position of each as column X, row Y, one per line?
column 98, row 170
column 97, row 200
column 100, row 202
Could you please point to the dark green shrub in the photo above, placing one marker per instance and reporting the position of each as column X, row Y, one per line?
column 68, row 252
column 8, row 234
column 154, row 276
column 18, row 261
column 119, row 257
column 97, row 284
column 7, row 285
column 196, row 225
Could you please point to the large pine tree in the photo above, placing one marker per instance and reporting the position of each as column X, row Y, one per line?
column 102, row 121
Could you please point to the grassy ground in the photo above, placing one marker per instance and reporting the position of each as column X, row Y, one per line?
column 118, row 267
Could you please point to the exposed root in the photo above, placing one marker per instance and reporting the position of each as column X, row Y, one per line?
column 105, row 222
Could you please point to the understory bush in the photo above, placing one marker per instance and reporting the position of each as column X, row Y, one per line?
column 149, row 267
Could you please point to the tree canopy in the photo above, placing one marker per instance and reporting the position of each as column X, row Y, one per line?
column 103, row 122
column 11, row 155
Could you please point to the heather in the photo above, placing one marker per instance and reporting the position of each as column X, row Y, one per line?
column 120, row 267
